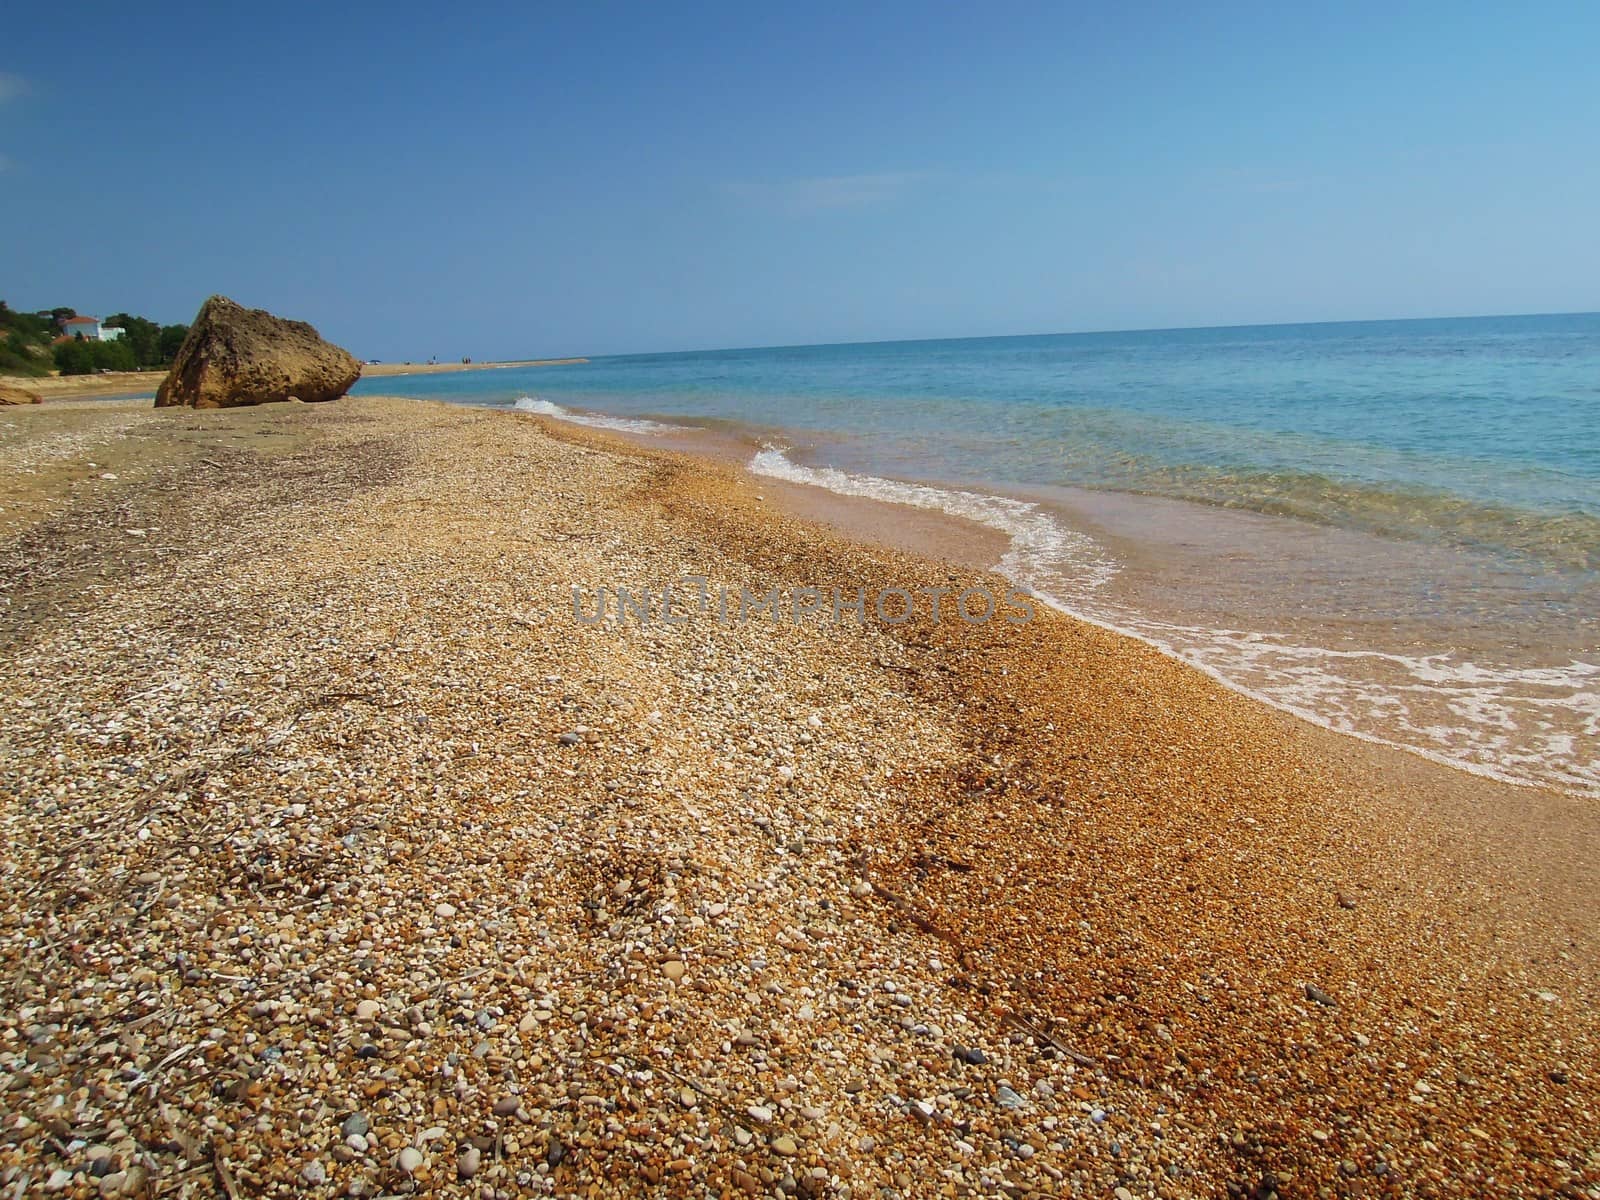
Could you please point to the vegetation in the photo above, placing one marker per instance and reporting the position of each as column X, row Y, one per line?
column 81, row 357
column 153, row 345
column 31, row 344
column 25, row 342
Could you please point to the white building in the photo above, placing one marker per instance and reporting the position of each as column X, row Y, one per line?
column 90, row 329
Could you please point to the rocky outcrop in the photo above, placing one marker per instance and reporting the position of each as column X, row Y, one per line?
column 236, row 356
column 11, row 394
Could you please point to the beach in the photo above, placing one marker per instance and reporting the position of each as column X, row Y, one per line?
column 344, row 857
column 1383, row 527
column 72, row 387
column 127, row 383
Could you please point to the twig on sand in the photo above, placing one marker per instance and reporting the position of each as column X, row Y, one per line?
column 1041, row 1034
column 225, row 1176
column 711, row 1098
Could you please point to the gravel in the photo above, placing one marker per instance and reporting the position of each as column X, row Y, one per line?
column 307, row 890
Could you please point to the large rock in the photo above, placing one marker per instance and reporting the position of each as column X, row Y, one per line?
column 236, row 356
column 11, row 394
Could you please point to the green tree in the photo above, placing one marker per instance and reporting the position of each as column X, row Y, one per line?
column 167, row 345
column 82, row 357
column 28, row 343
column 75, row 357
column 30, row 326
column 143, row 335
column 114, row 356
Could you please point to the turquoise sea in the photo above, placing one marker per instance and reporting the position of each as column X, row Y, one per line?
column 1390, row 527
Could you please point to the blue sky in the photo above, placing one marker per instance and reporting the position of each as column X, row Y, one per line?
column 505, row 181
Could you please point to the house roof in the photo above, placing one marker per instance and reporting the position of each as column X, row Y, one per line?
column 81, row 321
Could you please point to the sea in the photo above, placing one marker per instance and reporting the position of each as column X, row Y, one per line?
column 1390, row 528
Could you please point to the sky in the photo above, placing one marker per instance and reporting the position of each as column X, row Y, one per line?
column 539, row 180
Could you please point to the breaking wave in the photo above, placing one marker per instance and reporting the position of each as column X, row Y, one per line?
column 1041, row 549
column 544, row 408
column 1520, row 725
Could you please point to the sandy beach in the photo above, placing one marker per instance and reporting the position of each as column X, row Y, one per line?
column 122, row 383
column 70, row 387
column 343, row 858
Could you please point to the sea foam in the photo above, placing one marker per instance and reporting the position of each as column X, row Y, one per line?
column 1504, row 722
column 544, row 408
column 1041, row 549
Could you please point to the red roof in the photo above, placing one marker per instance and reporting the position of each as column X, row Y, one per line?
column 81, row 321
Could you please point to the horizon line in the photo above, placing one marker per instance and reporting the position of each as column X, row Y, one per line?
column 984, row 337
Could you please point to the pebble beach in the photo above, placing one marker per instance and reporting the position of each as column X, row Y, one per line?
column 341, row 859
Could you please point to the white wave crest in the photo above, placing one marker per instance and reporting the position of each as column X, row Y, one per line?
column 1512, row 724
column 1041, row 552
column 545, row 408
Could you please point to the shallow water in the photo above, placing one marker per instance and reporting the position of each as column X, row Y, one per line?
column 1392, row 528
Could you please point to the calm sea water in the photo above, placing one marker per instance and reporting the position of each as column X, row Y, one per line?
column 1389, row 527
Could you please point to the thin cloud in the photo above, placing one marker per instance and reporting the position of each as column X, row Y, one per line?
column 829, row 193
column 11, row 86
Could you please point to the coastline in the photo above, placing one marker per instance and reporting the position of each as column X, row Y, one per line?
column 72, row 387
column 1130, row 888
column 1237, row 498
column 118, row 383
column 1145, row 567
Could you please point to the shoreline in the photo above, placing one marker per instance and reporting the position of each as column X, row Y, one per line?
column 72, row 387
column 1036, row 886
column 120, row 383
column 950, row 538
column 1120, row 523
